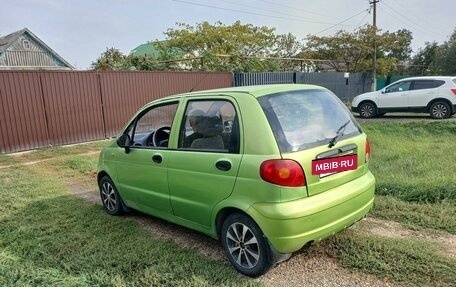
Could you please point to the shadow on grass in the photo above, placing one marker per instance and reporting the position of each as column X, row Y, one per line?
column 63, row 242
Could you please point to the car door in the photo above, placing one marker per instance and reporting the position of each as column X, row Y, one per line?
column 422, row 92
column 395, row 96
column 142, row 170
column 203, row 172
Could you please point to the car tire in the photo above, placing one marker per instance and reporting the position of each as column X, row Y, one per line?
column 440, row 110
column 245, row 245
column 367, row 110
column 110, row 198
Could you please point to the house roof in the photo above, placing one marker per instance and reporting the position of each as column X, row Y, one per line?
column 8, row 40
column 148, row 49
column 151, row 49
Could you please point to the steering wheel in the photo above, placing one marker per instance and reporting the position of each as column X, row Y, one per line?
column 160, row 134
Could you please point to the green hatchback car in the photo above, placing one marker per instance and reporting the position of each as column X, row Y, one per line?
column 264, row 169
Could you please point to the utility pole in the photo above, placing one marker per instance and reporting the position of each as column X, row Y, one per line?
column 374, row 60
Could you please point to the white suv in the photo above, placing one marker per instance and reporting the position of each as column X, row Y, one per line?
column 433, row 95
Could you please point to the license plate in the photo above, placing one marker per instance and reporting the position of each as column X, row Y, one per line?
column 327, row 166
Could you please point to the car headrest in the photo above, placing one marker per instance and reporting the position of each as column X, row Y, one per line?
column 209, row 126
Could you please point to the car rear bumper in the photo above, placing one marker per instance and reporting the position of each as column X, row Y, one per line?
column 290, row 225
column 354, row 109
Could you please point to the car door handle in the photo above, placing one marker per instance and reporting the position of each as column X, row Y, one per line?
column 223, row 165
column 157, row 158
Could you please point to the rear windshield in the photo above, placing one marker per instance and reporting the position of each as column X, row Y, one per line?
column 307, row 118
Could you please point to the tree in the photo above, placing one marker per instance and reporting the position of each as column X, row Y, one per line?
column 110, row 60
column 287, row 47
column 446, row 56
column 424, row 61
column 223, row 48
column 353, row 51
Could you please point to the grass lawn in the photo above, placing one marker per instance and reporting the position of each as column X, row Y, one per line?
column 414, row 164
column 52, row 238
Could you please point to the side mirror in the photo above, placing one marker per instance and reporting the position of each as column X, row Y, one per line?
column 383, row 91
column 125, row 142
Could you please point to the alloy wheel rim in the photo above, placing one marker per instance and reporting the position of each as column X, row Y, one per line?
column 439, row 111
column 242, row 245
column 367, row 111
column 108, row 196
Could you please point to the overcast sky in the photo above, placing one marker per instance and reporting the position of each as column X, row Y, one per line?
column 80, row 30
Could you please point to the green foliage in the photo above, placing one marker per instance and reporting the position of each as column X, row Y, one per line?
column 110, row 60
column 446, row 57
column 219, row 47
column 353, row 51
column 206, row 47
column 424, row 61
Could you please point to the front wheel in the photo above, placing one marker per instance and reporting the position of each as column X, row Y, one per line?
column 367, row 110
column 245, row 245
column 110, row 198
column 440, row 110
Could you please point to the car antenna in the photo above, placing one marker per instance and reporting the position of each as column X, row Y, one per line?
column 196, row 85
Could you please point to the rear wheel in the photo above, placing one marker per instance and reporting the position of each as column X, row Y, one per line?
column 440, row 110
column 367, row 110
column 110, row 198
column 245, row 245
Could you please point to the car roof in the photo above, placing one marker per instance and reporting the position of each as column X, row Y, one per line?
column 429, row 78
column 255, row 91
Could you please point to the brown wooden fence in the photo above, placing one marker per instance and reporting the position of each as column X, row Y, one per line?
column 40, row 109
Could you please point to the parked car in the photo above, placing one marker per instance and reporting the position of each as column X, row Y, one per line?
column 264, row 169
column 433, row 95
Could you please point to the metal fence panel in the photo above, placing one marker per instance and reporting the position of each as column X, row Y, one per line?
column 358, row 83
column 125, row 92
column 73, row 105
column 268, row 78
column 22, row 114
column 38, row 109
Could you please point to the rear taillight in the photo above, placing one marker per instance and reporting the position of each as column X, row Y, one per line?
column 284, row 172
column 454, row 90
column 367, row 150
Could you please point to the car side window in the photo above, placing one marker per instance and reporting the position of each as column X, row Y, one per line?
column 423, row 84
column 210, row 125
column 438, row 83
column 152, row 127
column 399, row 87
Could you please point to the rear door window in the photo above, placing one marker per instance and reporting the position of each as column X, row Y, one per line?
column 307, row 118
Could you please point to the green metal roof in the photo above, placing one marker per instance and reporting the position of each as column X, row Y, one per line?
column 147, row 49
column 151, row 49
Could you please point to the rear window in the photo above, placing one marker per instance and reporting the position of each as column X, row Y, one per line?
column 307, row 118
column 438, row 83
column 424, row 84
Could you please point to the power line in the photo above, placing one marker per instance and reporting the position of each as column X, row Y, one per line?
column 343, row 21
column 417, row 26
column 295, row 8
column 418, row 16
column 273, row 11
column 362, row 20
column 252, row 13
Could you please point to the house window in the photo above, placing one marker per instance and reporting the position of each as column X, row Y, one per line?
column 26, row 44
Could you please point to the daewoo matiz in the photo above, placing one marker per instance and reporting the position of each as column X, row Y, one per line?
column 264, row 169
